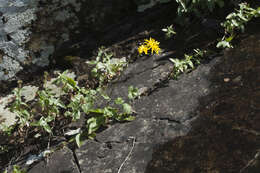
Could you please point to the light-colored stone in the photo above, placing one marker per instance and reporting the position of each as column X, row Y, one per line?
column 32, row 30
column 6, row 117
column 28, row 93
column 57, row 90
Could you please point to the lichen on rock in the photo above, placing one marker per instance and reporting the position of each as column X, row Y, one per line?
column 32, row 30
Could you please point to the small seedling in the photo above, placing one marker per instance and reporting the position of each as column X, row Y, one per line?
column 132, row 92
column 188, row 63
column 169, row 31
column 106, row 67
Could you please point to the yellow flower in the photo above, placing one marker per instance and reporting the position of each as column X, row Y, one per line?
column 153, row 45
column 142, row 49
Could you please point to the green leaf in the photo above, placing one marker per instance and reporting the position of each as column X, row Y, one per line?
column 67, row 114
column 132, row 92
column 119, row 101
column 129, row 118
column 110, row 112
column 94, row 123
column 78, row 142
column 229, row 39
column 42, row 122
column 16, row 169
column 94, row 72
column 86, row 107
column 127, row 108
column 190, row 64
column 98, row 111
column 92, row 62
column 103, row 93
column 72, row 82
column 92, row 136
column 76, row 115
column 224, row 44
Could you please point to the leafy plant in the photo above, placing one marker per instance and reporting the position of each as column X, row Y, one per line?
column 7, row 129
column 83, row 100
column 169, row 31
column 189, row 62
column 16, row 169
column 132, row 92
column 21, row 109
column 50, row 109
column 236, row 21
column 198, row 6
column 106, row 67
column 68, row 84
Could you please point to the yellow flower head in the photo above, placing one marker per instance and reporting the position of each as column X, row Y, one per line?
column 149, row 44
column 153, row 45
column 142, row 49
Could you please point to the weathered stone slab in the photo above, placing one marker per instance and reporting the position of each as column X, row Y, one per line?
column 163, row 115
column 225, row 137
column 179, row 99
column 59, row 162
column 144, row 74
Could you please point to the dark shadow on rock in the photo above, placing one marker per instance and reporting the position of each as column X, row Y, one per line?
column 226, row 136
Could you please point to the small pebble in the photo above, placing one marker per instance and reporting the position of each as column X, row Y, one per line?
column 226, row 79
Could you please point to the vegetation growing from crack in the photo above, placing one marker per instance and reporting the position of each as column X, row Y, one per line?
column 169, row 31
column 83, row 100
column 80, row 102
column 106, row 67
column 236, row 21
column 40, row 116
column 188, row 63
column 16, row 169
column 198, row 7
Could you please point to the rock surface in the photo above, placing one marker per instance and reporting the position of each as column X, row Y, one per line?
column 189, row 125
column 225, row 137
column 32, row 30
column 61, row 161
column 164, row 114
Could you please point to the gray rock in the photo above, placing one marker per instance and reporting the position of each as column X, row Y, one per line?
column 59, row 162
column 163, row 115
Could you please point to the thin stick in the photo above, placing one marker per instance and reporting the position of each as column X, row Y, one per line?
column 127, row 157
